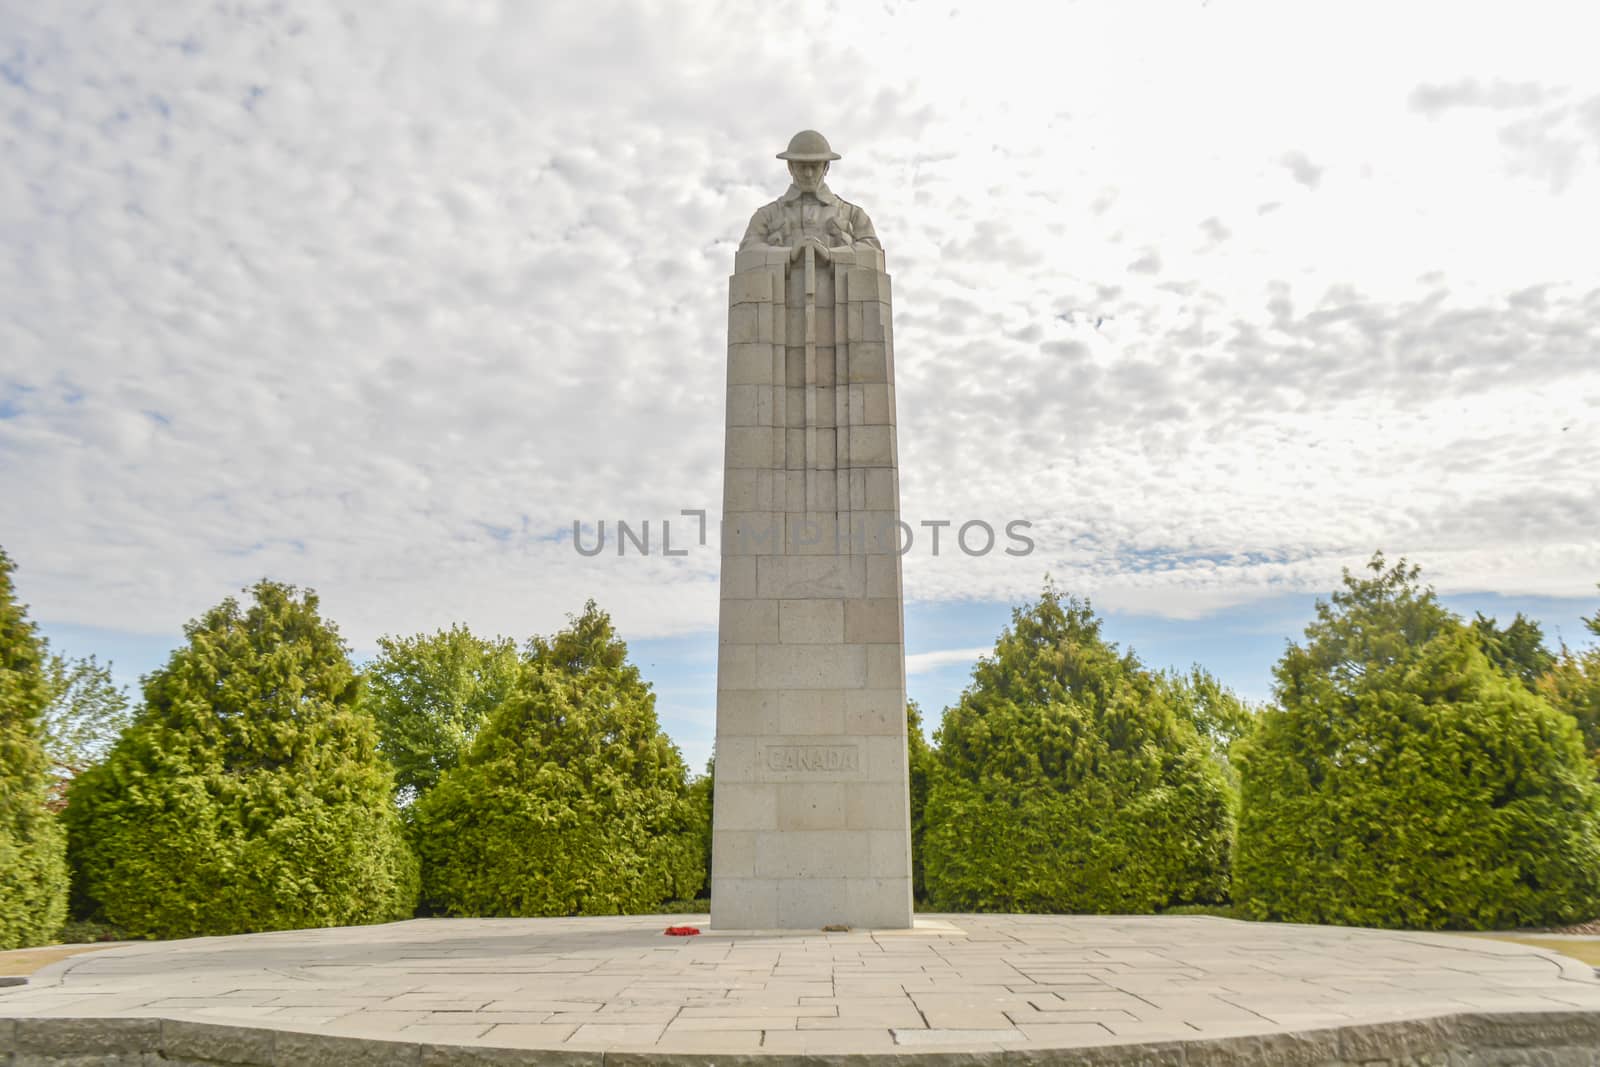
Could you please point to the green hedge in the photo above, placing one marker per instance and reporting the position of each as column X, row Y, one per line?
column 571, row 801
column 248, row 793
column 1071, row 779
column 33, row 871
column 1404, row 781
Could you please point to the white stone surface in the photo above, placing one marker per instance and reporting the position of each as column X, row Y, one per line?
column 1171, row 989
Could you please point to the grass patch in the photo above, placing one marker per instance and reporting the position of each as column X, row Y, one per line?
column 1586, row 951
column 21, row 962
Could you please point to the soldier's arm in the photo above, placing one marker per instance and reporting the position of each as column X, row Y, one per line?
column 861, row 230
column 755, row 234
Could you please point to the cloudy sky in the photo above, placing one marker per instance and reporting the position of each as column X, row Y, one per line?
column 380, row 298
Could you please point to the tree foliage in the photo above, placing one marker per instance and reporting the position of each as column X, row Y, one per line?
column 430, row 694
column 87, row 713
column 1517, row 648
column 1572, row 684
column 33, row 872
column 1403, row 780
column 571, row 801
column 1069, row 780
column 248, row 794
column 920, row 762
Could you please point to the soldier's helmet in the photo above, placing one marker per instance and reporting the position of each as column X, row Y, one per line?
column 808, row 146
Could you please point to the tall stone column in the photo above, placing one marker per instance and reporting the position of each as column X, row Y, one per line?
column 811, row 824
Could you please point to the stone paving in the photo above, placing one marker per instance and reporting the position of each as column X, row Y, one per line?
column 955, row 982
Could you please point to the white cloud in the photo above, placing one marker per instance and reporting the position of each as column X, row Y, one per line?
column 381, row 298
column 924, row 662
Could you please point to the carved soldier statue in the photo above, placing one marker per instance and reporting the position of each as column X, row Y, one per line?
column 810, row 213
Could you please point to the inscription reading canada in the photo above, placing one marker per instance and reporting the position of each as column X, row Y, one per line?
column 825, row 759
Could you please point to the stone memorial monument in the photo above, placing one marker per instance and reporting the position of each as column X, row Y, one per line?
column 811, row 824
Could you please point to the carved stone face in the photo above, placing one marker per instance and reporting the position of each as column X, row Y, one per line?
column 807, row 176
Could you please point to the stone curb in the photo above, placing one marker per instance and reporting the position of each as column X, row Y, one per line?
column 1542, row 1037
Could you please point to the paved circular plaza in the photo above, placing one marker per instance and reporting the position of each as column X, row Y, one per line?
column 617, row 989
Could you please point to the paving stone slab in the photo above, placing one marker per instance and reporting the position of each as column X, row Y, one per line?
column 1190, row 991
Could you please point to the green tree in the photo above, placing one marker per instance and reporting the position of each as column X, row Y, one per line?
column 33, row 871
column 571, row 801
column 921, row 763
column 1069, row 781
column 430, row 694
column 1403, row 780
column 1214, row 710
column 1517, row 649
column 248, row 794
column 1572, row 684
column 702, row 801
column 87, row 713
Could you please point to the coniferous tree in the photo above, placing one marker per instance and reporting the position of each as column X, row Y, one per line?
column 1402, row 780
column 571, row 800
column 248, row 793
column 33, row 872
column 1068, row 781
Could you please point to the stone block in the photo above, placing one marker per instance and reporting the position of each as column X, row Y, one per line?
column 875, row 712
column 742, row 324
column 736, row 667
column 883, row 578
column 880, row 902
column 752, row 533
column 751, row 447
column 743, row 903
column 794, row 407
column 760, row 259
column 794, row 489
column 882, row 489
column 216, row 1043
column 751, row 364
column 821, row 492
column 874, row 620
column 876, row 806
column 810, row 712
column 744, row 805
column 877, row 405
column 733, row 853
column 890, row 854
column 884, row 759
column 869, row 363
column 751, row 287
column 321, row 1050
column 741, row 409
column 813, row 854
column 886, row 666
column 796, row 577
column 810, row 621
column 814, row 533
column 748, row 712
column 870, row 446
column 811, row 805
column 748, row 622
column 63, row 1037
column 815, row 758
column 738, row 577
column 820, row 455
column 811, row 666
